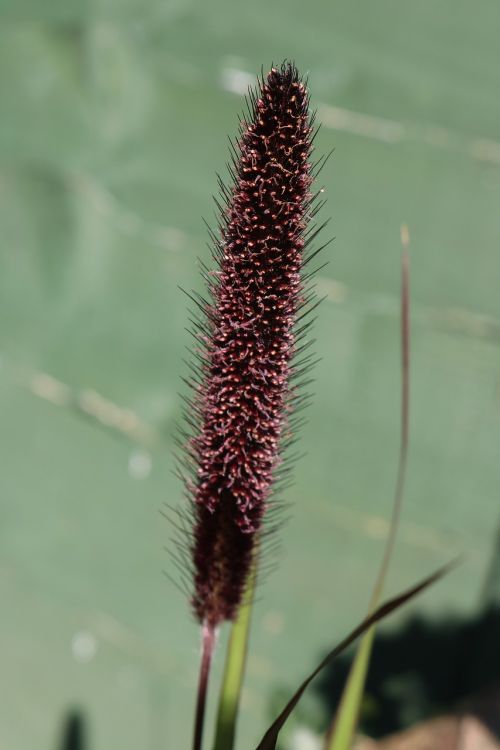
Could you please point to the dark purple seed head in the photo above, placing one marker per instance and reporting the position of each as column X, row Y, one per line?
column 243, row 393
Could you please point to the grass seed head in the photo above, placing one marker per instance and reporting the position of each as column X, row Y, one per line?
column 244, row 388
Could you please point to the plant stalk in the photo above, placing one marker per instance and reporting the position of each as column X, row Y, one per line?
column 234, row 670
column 209, row 637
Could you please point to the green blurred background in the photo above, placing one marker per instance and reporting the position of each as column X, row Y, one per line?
column 114, row 122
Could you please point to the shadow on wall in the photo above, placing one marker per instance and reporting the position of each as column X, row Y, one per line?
column 73, row 736
column 426, row 669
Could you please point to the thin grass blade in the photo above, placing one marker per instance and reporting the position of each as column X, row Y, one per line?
column 341, row 733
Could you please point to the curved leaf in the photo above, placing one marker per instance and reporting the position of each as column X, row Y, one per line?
column 270, row 738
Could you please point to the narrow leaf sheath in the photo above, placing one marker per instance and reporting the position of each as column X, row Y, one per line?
column 247, row 339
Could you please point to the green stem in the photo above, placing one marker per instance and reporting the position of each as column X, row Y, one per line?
column 234, row 671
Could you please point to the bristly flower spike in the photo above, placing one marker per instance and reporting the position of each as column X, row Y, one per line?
column 245, row 383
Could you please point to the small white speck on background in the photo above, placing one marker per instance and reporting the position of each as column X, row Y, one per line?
column 304, row 739
column 140, row 464
column 83, row 646
column 236, row 81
